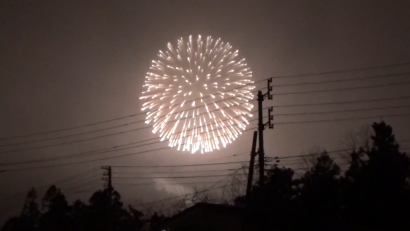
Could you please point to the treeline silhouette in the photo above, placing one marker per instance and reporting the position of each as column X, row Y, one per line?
column 373, row 193
column 104, row 212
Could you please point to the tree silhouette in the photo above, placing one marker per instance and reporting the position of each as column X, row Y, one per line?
column 372, row 194
column 137, row 217
column 29, row 216
column 57, row 211
column 272, row 204
column 79, row 214
column 319, row 195
column 377, row 195
column 106, row 212
column 156, row 221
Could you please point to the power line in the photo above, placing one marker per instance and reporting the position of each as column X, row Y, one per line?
column 91, row 177
column 298, row 161
column 296, row 156
column 177, row 166
column 343, row 102
column 230, row 156
column 291, row 158
column 274, row 77
column 286, row 93
column 333, row 158
column 327, row 152
column 77, row 134
column 161, row 183
column 94, row 153
column 104, row 129
column 342, row 119
column 207, row 189
column 342, row 89
column 132, row 130
column 89, row 161
column 80, row 174
column 105, row 150
column 170, row 177
column 248, row 129
column 103, row 136
column 79, row 184
column 141, row 121
column 71, row 128
column 341, row 71
column 281, row 123
column 342, row 111
column 177, row 172
column 65, row 179
column 189, row 194
column 137, row 153
column 79, row 190
column 320, row 73
column 341, row 80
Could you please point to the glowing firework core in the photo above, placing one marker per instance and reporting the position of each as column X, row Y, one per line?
column 198, row 94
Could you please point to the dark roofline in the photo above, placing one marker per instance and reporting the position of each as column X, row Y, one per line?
column 202, row 205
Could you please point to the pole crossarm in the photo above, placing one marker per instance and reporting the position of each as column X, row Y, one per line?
column 270, row 118
column 262, row 126
column 107, row 176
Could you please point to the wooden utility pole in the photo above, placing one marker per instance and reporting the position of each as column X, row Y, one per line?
column 108, row 179
column 261, row 128
column 251, row 165
column 247, row 212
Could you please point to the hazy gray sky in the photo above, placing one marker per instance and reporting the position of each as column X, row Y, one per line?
column 68, row 63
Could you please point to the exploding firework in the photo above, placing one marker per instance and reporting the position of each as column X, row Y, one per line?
column 197, row 94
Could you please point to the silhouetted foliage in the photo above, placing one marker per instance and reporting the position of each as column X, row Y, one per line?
column 371, row 193
column 29, row 216
column 105, row 212
column 57, row 211
column 155, row 222
column 377, row 193
column 137, row 217
column 273, row 202
column 319, row 195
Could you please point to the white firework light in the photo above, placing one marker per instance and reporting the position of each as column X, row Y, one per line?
column 197, row 94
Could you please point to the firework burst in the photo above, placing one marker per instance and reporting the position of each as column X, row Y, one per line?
column 197, row 94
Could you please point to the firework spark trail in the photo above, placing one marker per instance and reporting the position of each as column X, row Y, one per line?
column 191, row 87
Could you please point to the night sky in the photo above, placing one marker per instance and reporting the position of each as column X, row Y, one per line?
column 69, row 63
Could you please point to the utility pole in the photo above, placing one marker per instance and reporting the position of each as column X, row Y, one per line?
column 251, row 165
column 108, row 178
column 261, row 128
column 245, row 221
